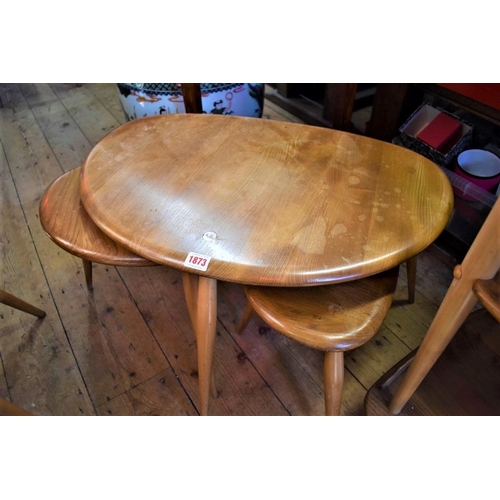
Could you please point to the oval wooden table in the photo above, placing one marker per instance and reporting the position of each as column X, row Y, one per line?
column 260, row 202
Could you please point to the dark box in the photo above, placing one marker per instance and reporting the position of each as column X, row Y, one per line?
column 416, row 124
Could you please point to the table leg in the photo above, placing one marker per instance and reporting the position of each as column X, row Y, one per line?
column 245, row 319
column 87, row 269
column 190, row 283
column 206, row 326
column 411, row 273
column 333, row 381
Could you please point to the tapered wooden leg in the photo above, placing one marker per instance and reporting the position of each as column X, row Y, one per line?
column 411, row 273
column 190, row 283
column 334, row 382
column 481, row 262
column 206, row 326
column 87, row 269
column 454, row 309
column 247, row 314
column 12, row 301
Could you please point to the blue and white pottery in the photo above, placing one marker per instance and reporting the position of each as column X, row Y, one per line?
column 148, row 99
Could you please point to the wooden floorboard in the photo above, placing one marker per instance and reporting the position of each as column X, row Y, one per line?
column 464, row 380
column 162, row 394
column 128, row 347
column 39, row 371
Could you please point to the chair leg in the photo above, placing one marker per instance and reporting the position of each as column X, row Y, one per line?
column 481, row 262
column 12, row 301
column 333, row 381
column 245, row 319
column 456, row 306
column 411, row 273
column 87, row 269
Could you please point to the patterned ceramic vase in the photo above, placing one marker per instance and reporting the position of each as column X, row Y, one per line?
column 147, row 99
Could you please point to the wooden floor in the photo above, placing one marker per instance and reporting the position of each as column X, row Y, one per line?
column 464, row 381
column 128, row 348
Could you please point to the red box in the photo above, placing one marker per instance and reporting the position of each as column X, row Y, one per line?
column 419, row 120
column 442, row 133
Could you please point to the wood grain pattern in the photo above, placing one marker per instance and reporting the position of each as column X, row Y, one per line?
column 66, row 223
column 38, row 370
column 226, row 179
column 249, row 395
column 241, row 388
column 293, row 371
column 65, row 137
column 160, row 395
column 260, row 372
column 92, row 117
column 333, row 318
column 338, row 317
column 107, row 94
column 378, row 355
column 158, row 185
column 91, row 329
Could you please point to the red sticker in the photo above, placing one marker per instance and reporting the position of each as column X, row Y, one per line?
column 197, row 261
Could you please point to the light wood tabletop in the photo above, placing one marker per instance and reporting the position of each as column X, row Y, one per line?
column 260, row 202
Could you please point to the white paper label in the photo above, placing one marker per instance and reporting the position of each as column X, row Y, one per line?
column 197, row 261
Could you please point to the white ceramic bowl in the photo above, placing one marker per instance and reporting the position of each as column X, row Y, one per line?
column 480, row 167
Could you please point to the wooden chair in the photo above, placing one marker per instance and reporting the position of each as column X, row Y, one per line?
column 332, row 318
column 477, row 278
column 488, row 293
column 12, row 301
column 65, row 221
